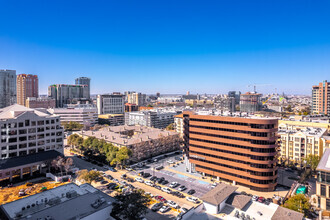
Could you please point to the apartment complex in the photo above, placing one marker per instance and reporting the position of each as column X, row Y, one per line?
column 7, row 88
column 84, row 114
column 112, row 119
column 32, row 102
column 84, row 81
column 137, row 98
column 28, row 137
column 323, row 181
column 298, row 142
column 68, row 94
column 27, row 86
column 234, row 148
column 144, row 142
column 68, row 201
column 153, row 118
column 178, row 124
column 250, row 102
column 321, row 98
column 111, row 104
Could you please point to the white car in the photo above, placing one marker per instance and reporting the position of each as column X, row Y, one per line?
column 170, row 161
column 255, row 198
column 165, row 189
column 173, row 184
column 165, row 208
column 148, row 193
column 139, row 179
column 192, row 199
column 149, row 183
column 172, row 204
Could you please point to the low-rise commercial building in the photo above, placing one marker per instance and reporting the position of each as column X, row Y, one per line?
column 65, row 202
column 111, row 119
column 239, row 149
column 153, row 118
column 84, row 114
column 145, row 142
column 28, row 134
column 33, row 102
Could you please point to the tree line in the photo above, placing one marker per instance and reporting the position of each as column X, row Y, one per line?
column 100, row 150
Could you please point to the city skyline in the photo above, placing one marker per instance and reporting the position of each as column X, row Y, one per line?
column 170, row 47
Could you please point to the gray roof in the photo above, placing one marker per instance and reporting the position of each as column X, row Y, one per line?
column 28, row 159
column 324, row 164
column 16, row 110
column 286, row 214
column 65, row 208
column 219, row 194
column 238, row 201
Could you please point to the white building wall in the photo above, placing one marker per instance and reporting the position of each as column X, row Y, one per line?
column 212, row 209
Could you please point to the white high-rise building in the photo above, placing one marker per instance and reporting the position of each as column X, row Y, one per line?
column 111, row 104
column 7, row 88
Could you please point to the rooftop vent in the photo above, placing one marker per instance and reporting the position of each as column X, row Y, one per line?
column 71, row 194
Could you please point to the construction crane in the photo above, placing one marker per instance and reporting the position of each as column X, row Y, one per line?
column 255, row 86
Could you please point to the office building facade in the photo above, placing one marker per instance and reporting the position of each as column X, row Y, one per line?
column 111, row 104
column 137, row 98
column 321, row 98
column 153, row 118
column 68, row 94
column 7, row 87
column 84, row 114
column 32, row 102
column 27, row 86
column 238, row 149
column 84, row 81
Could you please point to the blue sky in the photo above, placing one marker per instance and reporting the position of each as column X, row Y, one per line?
column 169, row 46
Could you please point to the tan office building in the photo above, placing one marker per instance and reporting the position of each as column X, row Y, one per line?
column 27, row 86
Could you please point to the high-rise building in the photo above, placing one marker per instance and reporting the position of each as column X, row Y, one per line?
column 137, row 98
column 238, row 149
column 236, row 95
column 111, row 104
column 7, row 87
column 84, row 81
column 68, row 94
column 321, row 98
column 27, row 86
column 250, row 102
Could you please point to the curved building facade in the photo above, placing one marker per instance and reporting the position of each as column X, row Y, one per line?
column 242, row 150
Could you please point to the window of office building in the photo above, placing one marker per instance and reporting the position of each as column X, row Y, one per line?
column 323, row 190
column 328, row 204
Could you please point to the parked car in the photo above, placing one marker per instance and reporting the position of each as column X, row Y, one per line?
column 255, row 198
column 157, row 206
column 174, row 184
column 113, row 169
column 214, row 185
column 128, row 169
column 261, row 199
column 167, row 190
column 157, row 187
column 159, row 167
column 123, row 176
column 139, row 179
column 149, row 183
column 192, row 199
column 141, row 173
column 146, row 175
column 170, row 161
column 104, row 182
column 153, row 178
column 172, row 204
column 182, row 188
column 160, row 198
column 178, row 194
column 148, row 193
column 160, row 180
column 165, row 208
column 192, row 191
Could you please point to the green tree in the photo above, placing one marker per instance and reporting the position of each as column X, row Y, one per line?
column 122, row 156
column 312, row 160
column 88, row 176
column 130, row 206
column 170, row 127
column 72, row 139
column 298, row 203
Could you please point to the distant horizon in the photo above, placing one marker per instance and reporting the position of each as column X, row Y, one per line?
column 169, row 46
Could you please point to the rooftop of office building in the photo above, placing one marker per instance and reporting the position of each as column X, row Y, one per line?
column 324, row 164
column 128, row 134
column 64, row 202
column 315, row 132
column 230, row 114
column 13, row 111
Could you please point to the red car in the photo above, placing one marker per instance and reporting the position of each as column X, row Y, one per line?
column 160, row 198
column 261, row 199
